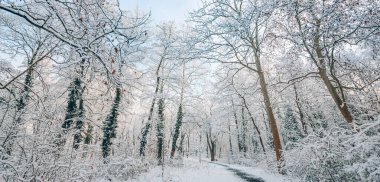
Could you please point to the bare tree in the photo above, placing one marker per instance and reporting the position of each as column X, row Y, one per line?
column 322, row 31
column 235, row 34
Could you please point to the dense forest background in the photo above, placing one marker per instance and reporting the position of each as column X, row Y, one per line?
column 89, row 91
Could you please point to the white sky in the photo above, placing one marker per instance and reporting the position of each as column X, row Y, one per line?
column 163, row 10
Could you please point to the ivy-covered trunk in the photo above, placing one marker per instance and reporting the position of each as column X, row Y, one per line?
column 180, row 147
column 110, row 124
column 74, row 111
column 20, row 107
column 72, row 107
column 160, row 130
column 179, row 119
column 79, row 124
column 88, row 134
column 178, row 125
column 145, row 130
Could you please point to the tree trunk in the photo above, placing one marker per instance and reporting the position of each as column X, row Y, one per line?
column 20, row 108
column 160, row 128
column 211, row 146
column 110, row 125
column 79, row 124
column 302, row 117
column 269, row 111
column 229, row 139
column 80, row 113
column 148, row 124
column 188, row 145
column 243, row 131
column 340, row 103
column 177, row 130
column 237, row 128
column 207, row 150
column 88, row 135
column 320, row 63
column 213, row 151
column 220, row 151
column 200, row 148
column 180, row 147
column 253, row 122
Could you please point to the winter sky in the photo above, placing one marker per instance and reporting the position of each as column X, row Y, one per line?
column 163, row 10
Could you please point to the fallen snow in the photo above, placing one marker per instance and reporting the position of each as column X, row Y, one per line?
column 265, row 175
column 193, row 171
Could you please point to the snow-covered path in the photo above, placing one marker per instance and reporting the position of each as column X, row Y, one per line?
column 243, row 175
column 190, row 172
column 193, row 171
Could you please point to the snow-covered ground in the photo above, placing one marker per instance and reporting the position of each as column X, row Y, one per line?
column 193, row 171
column 265, row 175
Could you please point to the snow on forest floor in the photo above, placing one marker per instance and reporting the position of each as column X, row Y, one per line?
column 265, row 175
column 193, row 171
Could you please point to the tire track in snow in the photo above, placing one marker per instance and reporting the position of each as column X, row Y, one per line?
column 241, row 174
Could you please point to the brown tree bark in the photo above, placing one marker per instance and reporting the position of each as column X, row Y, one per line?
column 268, row 108
column 340, row 102
column 319, row 61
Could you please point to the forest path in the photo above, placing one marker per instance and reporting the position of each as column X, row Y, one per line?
column 243, row 175
column 191, row 170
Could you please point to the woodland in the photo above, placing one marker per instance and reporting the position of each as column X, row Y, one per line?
column 92, row 92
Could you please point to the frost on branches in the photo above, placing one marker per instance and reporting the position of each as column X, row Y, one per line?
column 92, row 90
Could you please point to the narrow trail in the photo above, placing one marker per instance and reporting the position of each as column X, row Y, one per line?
column 245, row 176
column 193, row 170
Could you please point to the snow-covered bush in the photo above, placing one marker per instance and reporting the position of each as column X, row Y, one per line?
column 70, row 166
column 342, row 155
column 177, row 161
column 119, row 169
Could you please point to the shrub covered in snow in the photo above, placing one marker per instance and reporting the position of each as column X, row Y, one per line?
column 342, row 155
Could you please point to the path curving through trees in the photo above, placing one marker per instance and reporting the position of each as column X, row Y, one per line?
column 243, row 175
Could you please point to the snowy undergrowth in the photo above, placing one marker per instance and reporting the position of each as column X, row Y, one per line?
column 116, row 170
column 120, row 169
column 342, row 155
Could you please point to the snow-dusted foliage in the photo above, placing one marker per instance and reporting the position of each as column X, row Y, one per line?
column 341, row 155
column 91, row 91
